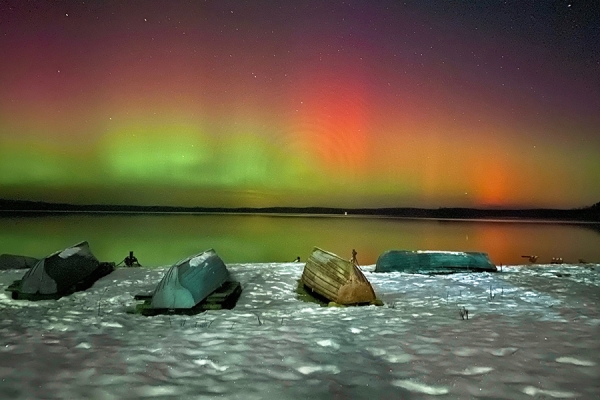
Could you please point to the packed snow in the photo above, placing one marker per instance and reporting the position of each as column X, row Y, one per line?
column 532, row 332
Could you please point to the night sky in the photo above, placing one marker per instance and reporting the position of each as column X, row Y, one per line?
column 305, row 103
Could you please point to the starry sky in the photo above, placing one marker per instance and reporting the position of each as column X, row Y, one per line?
column 307, row 103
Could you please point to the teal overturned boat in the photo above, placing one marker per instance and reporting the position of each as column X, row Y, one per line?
column 433, row 262
column 192, row 285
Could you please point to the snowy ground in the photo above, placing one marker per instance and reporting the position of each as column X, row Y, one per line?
column 536, row 336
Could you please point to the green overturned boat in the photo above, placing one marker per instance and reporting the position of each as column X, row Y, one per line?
column 433, row 262
column 192, row 285
column 61, row 274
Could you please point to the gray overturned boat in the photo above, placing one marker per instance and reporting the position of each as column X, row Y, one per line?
column 192, row 285
column 336, row 279
column 61, row 274
column 12, row 261
column 433, row 262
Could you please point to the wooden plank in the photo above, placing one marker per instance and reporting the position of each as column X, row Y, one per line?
column 320, row 285
column 225, row 297
column 330, row 264
column 143, row 296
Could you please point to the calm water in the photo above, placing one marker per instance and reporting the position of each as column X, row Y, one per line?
column 163, row 239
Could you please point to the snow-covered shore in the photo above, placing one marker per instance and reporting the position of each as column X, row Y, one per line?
column 533, row 332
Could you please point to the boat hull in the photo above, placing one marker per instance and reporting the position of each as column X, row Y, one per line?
column 11, row 261
column 190, row 281
column 60, row 274
column 336, row 279
column 224, row 298
column 433, row 262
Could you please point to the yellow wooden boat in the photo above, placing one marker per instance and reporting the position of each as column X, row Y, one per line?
column 336, row 279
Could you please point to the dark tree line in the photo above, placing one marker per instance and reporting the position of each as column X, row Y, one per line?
column 591, row 213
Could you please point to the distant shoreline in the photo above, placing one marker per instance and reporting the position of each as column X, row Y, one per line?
column 588, row 214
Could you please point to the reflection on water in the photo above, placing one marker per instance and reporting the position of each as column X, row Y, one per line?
column 163, row 239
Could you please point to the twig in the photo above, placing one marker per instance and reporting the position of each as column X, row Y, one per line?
column 258, row 317
column 100, row 300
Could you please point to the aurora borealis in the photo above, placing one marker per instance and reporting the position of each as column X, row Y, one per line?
column 310, row 103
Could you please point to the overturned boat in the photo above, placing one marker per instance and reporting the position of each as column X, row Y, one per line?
column 335, row 279
column 192, row 285
column 12, row 261
column 61, row 274
column 433, row 262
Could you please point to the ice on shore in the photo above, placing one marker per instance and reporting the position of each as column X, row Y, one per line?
column 530, row 334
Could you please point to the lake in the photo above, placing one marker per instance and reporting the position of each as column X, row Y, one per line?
column 162, row 239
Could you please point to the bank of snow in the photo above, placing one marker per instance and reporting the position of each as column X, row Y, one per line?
column 531, row 334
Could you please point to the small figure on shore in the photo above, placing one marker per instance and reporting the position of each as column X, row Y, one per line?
column 353, row 260
column 532, row 259
column 464, row 313
column 131, row 260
